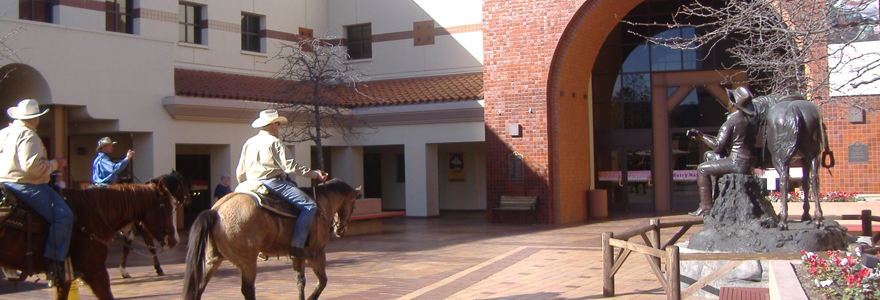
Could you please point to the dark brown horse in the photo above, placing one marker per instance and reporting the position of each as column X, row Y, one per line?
column 237, row 229
column 99, row 215
column 179, row 187
column 794, row 128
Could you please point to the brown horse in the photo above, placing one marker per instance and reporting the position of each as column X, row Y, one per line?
column 237, row 229
column 179, row 187
column 99, row 215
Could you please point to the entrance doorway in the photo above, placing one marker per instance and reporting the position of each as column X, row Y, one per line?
column 625, row 169
column 197, row 168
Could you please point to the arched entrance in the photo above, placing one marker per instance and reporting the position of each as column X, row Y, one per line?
column 611, row 99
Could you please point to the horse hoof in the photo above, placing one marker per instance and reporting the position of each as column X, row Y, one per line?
column 783, row 227
column 160, row 273
column 126, row 275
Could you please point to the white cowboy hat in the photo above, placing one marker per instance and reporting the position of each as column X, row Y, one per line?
column 267, row 117
column 27, row 109
column 104, row 141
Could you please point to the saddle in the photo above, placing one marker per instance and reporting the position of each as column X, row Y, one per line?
column 16, row 215
column 267, row 200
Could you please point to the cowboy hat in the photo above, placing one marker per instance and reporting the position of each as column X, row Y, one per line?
column 27, row 109
column 267, row 117
column 742, row 99
column 104, row 141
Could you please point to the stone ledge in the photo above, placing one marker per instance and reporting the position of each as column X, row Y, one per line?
column 784, row 283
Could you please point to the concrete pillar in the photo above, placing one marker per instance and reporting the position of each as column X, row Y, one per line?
column 348, row 164
column 149, row 162
column 59, row 133
column 422, row 193
column 302, row 153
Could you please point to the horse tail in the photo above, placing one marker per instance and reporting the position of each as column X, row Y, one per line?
column 199, row 237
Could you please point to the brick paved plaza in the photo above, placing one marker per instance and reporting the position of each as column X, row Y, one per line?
column 455, row 256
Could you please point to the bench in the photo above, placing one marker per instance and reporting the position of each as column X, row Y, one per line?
column 367, row 215
column 516, row 203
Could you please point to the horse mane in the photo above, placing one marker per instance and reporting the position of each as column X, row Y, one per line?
column 337, row 186
column 171, row 180
column 113, row 202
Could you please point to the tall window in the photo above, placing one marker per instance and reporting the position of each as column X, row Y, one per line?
column 35, row 10
column 119, row 16
column 250, row 32
column 360, row 41
column 189, row 17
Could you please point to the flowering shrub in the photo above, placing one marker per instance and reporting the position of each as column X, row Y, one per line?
column 824, row 197
column 842, row 275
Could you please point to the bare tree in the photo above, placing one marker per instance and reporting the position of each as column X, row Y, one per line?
column 806, row 46
column 323, row 89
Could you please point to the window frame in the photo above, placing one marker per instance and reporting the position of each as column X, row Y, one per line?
column 113, row 13
column 362, row 46
column 50, row 6
column 196, row 23
column 247, row 35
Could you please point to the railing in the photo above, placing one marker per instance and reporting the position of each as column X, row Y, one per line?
column 867, row 227
column 654, row 252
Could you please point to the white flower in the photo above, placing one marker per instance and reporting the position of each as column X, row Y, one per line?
column 824, row 283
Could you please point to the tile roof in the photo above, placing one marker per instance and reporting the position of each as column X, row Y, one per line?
column 207, row 84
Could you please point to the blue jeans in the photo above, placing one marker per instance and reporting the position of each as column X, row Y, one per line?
column 306, row 206
column 46, row 202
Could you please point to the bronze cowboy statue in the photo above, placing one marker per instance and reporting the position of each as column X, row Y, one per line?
column 732, row 151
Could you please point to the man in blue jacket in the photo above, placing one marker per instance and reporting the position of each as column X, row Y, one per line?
column 104, row 170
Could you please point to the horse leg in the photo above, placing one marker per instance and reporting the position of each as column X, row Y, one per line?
column 126, row 249
column 319, row 264
column 248, row 278
column 783, row 188
column 152, row 248
column 814, row 187
column 62, row 290
column 97, row 277
column 299, row 268
column 805, row 187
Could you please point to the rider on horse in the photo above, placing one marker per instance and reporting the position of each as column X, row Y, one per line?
column 104, row 170
column 264, row 159
column 25, row 169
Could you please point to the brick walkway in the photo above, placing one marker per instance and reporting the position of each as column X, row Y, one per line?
column 454, row 256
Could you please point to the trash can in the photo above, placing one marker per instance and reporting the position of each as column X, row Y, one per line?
column 598, row 201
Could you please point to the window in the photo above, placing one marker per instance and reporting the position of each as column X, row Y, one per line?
column 190, row 18
column 360, row 41
column 250, row 32
column 35, row 10
column 119, row 16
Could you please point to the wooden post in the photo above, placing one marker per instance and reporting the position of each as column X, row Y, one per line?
column 866, row 223
column 655, row 238
column 673, row 276
column 607, row 265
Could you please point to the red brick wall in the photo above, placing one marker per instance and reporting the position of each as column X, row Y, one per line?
column 524, row 69
column 847, row 176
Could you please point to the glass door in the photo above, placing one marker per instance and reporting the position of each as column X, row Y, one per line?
column 627, row 176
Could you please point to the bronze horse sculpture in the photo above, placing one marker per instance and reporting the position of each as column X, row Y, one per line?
column 99, row 215
column 238, row 230
column 179, row 188
column 794, row 128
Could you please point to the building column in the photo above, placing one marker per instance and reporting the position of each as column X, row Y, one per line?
column 348, row 164
column 147, row 159
column 59, row 133
column 422, row 192
column 302, row 153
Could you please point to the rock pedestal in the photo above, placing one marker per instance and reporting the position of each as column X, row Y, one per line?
column 742, row 220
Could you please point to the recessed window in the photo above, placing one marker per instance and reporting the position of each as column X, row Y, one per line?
column 120, row 16
column 250, row 32
column 360, row 41
column 35, row 10
column 189, row 17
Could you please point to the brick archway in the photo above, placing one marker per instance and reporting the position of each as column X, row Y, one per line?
column 568, row 101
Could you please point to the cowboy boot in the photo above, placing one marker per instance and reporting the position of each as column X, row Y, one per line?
column 705, row 202
column 59, row 272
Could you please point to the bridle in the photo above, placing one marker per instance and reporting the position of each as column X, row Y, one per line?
column 175, row 203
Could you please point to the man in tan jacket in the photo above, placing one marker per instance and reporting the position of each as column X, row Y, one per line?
column 25, row 170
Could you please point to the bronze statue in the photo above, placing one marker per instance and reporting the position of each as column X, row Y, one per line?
column 732, row 150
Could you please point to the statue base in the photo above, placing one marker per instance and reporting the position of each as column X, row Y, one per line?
column 742, row 220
